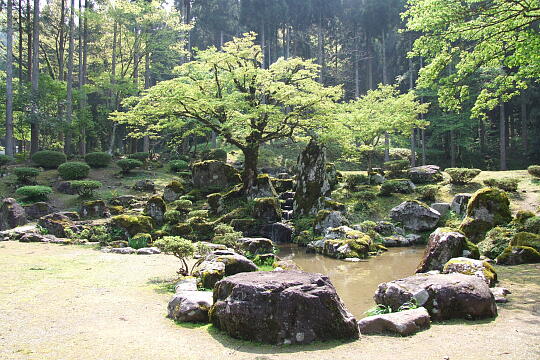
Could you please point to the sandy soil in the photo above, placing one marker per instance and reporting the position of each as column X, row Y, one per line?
column 69, row 302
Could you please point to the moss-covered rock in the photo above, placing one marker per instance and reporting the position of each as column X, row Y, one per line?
column 245, row 225
column 478, row 268
column 526, row 239
column 94, row 209
column 326, row 219
column 522, row 216
column 11, row 214
column 214, row 174
column 496, row 240
column 531, row 225
column 116, row 209
column 347, row 243
column 267, row 210
column 132, row 224
column 181, row 229
column 155, row 208
column 487, row 208
column 202, row 229
column 173, row 191
column 282, row 185
column 397, row 186
column 515, row 255
column 334, row 205
column 215, row 203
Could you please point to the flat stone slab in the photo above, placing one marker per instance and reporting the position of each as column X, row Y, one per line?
column 404, row 323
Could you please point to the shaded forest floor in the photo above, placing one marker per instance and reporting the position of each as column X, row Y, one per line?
column 73, row 302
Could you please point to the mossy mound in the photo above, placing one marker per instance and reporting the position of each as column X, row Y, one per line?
column 155, row 208
column 531, row 225
column 173, row 191
column 481, row 269
column 214, row 174
column 526, row 239
column 132, row 224
column 245, row 225
column 515, row 255
column 267, row 210
column 487, row 208
column 496, row 240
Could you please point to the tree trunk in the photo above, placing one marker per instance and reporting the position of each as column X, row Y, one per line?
column 320, row 49
column 413, row 148
column 502, row 133
column 9, row 81
column 524, row 125
column 20, row 18
column 452, row 149
column 146, row 139
column 83, row 55
column 34, row 123
column 29, row 39
column 251, row 159
column 263, row 45
column 356, row 70
column 69, row 102
column 113, row 83
column 61, row 41
column 424, row 161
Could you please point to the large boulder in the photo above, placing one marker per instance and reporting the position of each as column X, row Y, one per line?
column 234, row 263
column 214, row 174
column 459, row 203
column 445, row 296
column 343, row 243
column 36, row 210
column 11, row 214
column 404, row 323
column 173, row 191
column 132, row 225
column 190, row 306
column 278, row 232
column 327, row 219
column 263, row 189
column 267, row 210
column 145, row 185
column 443, row 245
column 425, row 174
column 415, row 216
column 313, row 182
column 478, row 268
column 281, row 307
column 487, row 208
column 256, row 246
column 496, row 240
column 155, row 208
column 442, row 208
column 209, row 273
column 94, row 209
column 56, row 224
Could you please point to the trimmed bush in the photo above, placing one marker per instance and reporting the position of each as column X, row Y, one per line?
column 140, row 240
column 506, row 184
column 401, row 186
column 49, row 159
column 4, row 160
column 462, row 176
column 73, row 170
column 396, row 168
column 129, row 164
column 178, row 165
column 85, row 188
column 173, row 216
column 26, row 175
column 141, row 156
column 36, row 192
column 531, row 225
column 215, row 154
column 179, row 247
column 353, row 181
column 534, row 170
column 427, row 192
column 98, row 159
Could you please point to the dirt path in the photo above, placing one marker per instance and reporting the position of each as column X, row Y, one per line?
column 67, row 302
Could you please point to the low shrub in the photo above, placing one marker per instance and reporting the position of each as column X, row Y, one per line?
column 178, row 165
column 534, row 170
column 141, row 156
column 26, row 175
column 36, row 192
column 5, row 160
column 353, row 181
column 462, row 176
column 226, row 235
column 401, row 186
column 173, row 216
column 183, row 205
column 506, row 184
column 179, row 247
column 531, row 225
column 396, row 167
column 49, row 159
column 85, row 188
column 215, row 154
column 98, row 159
column 73, row 170
column 129, row 164
column 427, row 192
column 140, row 240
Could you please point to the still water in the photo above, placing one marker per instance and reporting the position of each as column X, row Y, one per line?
column 356, row 282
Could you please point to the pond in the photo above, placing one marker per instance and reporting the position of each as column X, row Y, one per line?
column 356, row 282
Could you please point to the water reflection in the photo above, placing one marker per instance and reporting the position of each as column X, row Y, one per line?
column 356, row 282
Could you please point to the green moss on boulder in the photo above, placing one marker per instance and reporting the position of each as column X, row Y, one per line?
column 496, row 240
column 132, row 224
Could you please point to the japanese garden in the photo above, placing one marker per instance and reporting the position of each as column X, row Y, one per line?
column 281, row 179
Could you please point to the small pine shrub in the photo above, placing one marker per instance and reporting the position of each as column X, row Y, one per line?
column 506, row 184
column 98, row 159
column 427, row 192
column 401, row 186
column 215, row 154
column 129, row 164
column 396, row 166
column 49, row 159
column 73, row 170
column 462, row 176
column 179, row 247
column 5, row 160
column 141, row 156
column 178, row 165
column 34, row 193
column 85, row 188
column 173, row 216
column 353, row 181
column 534, row 170
column 26, row 175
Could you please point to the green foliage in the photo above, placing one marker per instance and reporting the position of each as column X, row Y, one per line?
column 226, row 235
column 178, row 165
column 140, row 240
column 263, row 260
column 215, row 154
column 98, row 159
column 92, row 234
column 179, row 247
column 534, row 170
column 461, row 176
column 26, row 175
column 141, row 156
column 401, row 186
column 506, row 184
column 427, row 192
column 49, row 159
column 385, row 309
column 173, row 216
column 531, row 225
column 182, row 205
column 34, row 193
column 128, row 164
column 85, row 188
column 396, row 166
column 5, row 160
column 73, row 170
column 353, row 181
